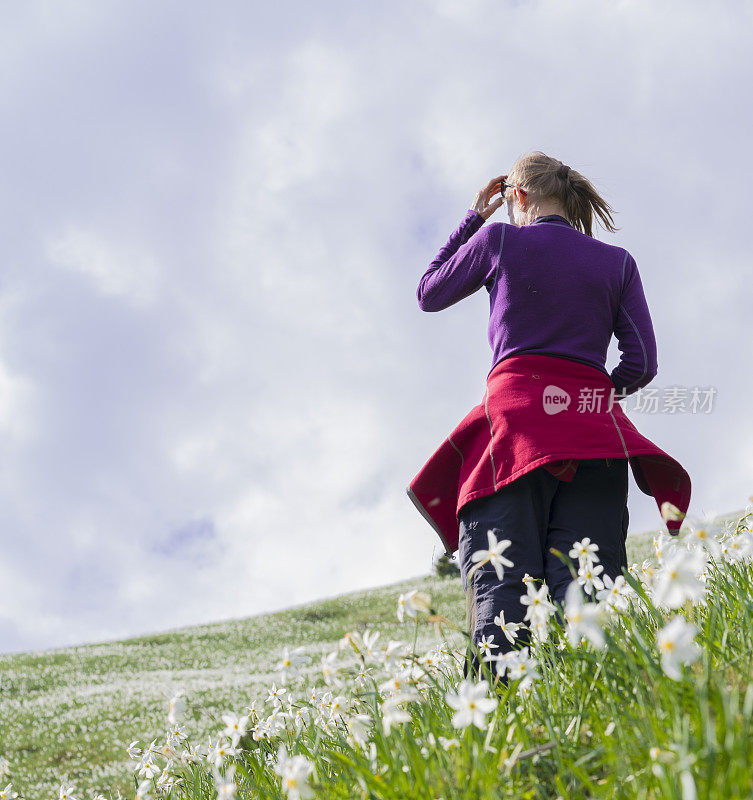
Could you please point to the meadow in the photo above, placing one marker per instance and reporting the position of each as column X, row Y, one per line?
column 646, row 692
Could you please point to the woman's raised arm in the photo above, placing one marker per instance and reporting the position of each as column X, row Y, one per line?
column 466, row 262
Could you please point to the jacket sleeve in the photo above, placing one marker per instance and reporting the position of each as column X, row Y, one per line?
column 635, row 334
column 462, row 266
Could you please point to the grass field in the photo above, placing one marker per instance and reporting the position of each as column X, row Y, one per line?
column 68, row 715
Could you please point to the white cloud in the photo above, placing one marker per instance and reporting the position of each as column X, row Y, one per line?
column 16, row 405
column 115, row 269
column 274, row 187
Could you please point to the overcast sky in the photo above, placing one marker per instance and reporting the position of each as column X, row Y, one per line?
column 215, row 380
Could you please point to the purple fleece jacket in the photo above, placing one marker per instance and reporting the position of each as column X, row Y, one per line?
column 552, row 290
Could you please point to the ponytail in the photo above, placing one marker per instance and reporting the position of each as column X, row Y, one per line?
column 545, row 177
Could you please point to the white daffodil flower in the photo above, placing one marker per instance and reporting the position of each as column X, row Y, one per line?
column 133, row 751
column 392, row 713
column 412, row 603
column 359, row 726
column 677, row 646
column 147, row 770
column 700, row 535
column 225, row 784
column 369, row 643
column 678, row 578
column 394, row 652
column 493, row 555
column 276, row 695
column 616, row 593
column 539, row 606
column 290, row 663
column 235, row 726
column 176, row 706
column 585, row 551
column 295, row 773
column 664, row 545
column 520, row 665
column 588, row 577
column 486, row 645
column 471, row 703
column 329, row 669
column 510, row 629
column 584, row 619
column 301, row 716
column 738, row 547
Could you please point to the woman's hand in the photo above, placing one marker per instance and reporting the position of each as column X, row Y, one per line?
column 482, row 202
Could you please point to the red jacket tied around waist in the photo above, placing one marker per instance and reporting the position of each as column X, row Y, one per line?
column 539, row 411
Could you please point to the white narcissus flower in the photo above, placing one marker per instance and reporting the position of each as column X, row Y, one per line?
column 359, row 726
column 329, row 669
column 133, row 751
column 351, row 639
column 493, row 555
column 677, row 646
column 411, row 603
column 448, row 744
column 290, row 662
column 539, row 628
column 486, row 645
column 363, row 675
column 471, row 703
column 301, row 716
column 588, row 577
column 510, row 629
column 585, row 551
column 394, row 652
column 664, row 544
column 295, row 773
column 699, row 535
column 176, row 706
column 519, row 665
column 399, row 681
column 584, row 619
column 276, row 695
column 221, row 752
column 392, row 713
column 738, row 547
column 539, row 606
column 338, row 706
column 616, row 593
column 7, row 793
column 147, row 770
column 678, row 578
column 369, row 643
column 235, row 726
column 225, row 784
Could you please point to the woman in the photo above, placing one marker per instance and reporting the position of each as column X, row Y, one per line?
column 543, row 460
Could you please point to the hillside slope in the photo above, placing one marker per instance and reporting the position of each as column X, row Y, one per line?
column 67, row 715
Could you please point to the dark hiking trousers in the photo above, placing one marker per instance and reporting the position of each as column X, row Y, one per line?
column 535, row 512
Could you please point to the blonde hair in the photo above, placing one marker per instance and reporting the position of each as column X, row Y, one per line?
column 545, row 177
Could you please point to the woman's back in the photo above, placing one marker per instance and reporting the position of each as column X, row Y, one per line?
column 552, row 290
